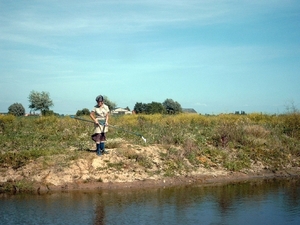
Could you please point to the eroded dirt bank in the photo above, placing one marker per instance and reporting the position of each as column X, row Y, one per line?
column 116, row 170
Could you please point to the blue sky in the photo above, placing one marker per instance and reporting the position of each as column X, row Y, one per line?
column 216, row 56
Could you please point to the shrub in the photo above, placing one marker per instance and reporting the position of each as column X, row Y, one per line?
column 291, row 124
column 16, row 109
column 83, row 112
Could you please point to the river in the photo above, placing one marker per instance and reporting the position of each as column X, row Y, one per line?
column 256, row 202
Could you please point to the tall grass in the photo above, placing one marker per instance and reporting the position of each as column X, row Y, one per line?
column 234, row 142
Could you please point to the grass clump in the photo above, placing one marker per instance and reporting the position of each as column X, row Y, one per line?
column 17, row 186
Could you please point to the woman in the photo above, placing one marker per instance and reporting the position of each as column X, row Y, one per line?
column 100, row 116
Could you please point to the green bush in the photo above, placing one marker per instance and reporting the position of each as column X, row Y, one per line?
column 16, row 109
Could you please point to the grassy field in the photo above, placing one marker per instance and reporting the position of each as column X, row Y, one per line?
column 233, row 142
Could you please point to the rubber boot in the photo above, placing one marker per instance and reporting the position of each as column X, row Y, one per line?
column 98, row 149
column 102, row 147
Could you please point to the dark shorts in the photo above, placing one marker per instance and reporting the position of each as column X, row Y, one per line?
column 99, row 137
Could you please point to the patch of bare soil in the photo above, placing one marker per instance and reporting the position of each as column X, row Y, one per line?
column 130, row 166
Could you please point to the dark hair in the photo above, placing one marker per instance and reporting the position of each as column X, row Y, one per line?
column 99, row 98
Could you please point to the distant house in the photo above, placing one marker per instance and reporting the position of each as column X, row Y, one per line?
column 120, row 111
column 189, row 110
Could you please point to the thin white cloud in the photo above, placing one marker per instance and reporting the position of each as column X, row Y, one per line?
column 69, row 18
column 49, row 24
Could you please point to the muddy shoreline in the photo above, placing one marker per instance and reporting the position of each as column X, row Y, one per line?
column 205, row 180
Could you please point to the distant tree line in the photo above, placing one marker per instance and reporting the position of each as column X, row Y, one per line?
column 41, row 101
column 83, row 112
column 169, row 106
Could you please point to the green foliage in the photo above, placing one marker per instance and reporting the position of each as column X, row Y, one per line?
column 231, row 141
column 291, row 124
column 117, row 165
column 16, row 109
column 140, row 107
column 40, row 101
column 17, row 186
column 6, row 122
column 21, row 158
column 168, row 106
column 111, row 105
column 141, row 159
column 38, row 136
column 150, row 108
column 172, row 107
column 83, row 112
column 7, row 119
column 49, row 113
column 154, row 107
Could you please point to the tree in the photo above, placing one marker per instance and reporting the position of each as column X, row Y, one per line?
column 140, row 107
column 154, row 107
column 16, row 109
column 172, row 107
column 168, row 106
column 83, row 112
column 40, row 101
column 111, row 105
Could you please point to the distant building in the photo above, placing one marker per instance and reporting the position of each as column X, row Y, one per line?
column 32, row 114
column 189, row 110
column 120, row 111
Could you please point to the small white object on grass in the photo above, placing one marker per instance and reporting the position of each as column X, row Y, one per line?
column 144, row 139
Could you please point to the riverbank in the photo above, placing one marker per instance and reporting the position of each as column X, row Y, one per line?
column 89, row 172
column 57, row 153
column 205, row 180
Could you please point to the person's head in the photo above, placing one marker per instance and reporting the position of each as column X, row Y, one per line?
column 99, row 99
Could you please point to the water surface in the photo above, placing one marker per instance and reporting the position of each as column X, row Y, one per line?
column 261, row 202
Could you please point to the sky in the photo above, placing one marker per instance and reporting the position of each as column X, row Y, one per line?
column 215, row 56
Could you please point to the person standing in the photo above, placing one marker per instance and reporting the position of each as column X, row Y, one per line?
column 100, row 115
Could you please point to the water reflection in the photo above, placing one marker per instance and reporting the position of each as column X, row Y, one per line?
column 261, row 202
column 100, row 211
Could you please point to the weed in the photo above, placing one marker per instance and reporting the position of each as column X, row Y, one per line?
column 114, row 143
column 117, row 165
column 17, row 186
